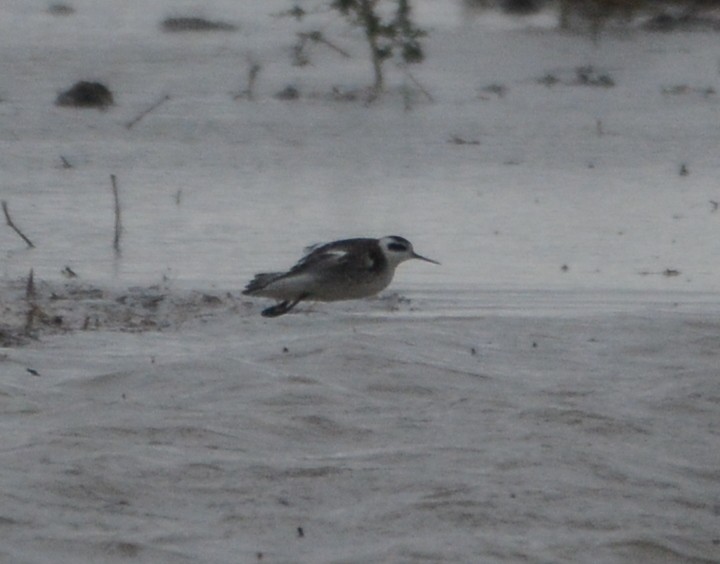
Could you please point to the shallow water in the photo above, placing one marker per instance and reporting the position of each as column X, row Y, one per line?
column 385, row 438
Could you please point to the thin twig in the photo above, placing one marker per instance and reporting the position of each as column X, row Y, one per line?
column 30, row 286
column 142, row 114
column 253, row 72
column 30, row 318
column 118, row 223
column 318, row 37
column 417, row 84
column 10, row 223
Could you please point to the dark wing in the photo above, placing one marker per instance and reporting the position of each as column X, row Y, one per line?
column 346, row 255
column 335, row 254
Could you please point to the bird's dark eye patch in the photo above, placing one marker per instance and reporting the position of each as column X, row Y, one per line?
column 398, row 247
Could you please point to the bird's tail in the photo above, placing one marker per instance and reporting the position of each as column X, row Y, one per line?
column 261, row 281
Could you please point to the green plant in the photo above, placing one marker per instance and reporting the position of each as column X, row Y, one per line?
column 386, row 36
column 388, row 28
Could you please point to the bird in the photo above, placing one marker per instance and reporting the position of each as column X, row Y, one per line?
column 347, row 269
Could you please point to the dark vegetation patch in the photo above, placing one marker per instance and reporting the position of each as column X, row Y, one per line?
column 586, row 75
column 85, row 94
column 290, row 92
column 590, row 76
column 30, row 312
column 59, row 9
column 668, row 22
column 195, row 24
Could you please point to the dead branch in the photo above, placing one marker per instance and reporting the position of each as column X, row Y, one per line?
column 152, row 108
column 10, row 223
column 30, row 318
column 253, row 72
column 118, row 223
column 317, row 37
column 417, row 83
column 30, row 286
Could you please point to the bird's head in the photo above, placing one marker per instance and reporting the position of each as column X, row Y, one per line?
column 398, row 249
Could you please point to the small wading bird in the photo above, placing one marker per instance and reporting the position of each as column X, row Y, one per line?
column 342, row 270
